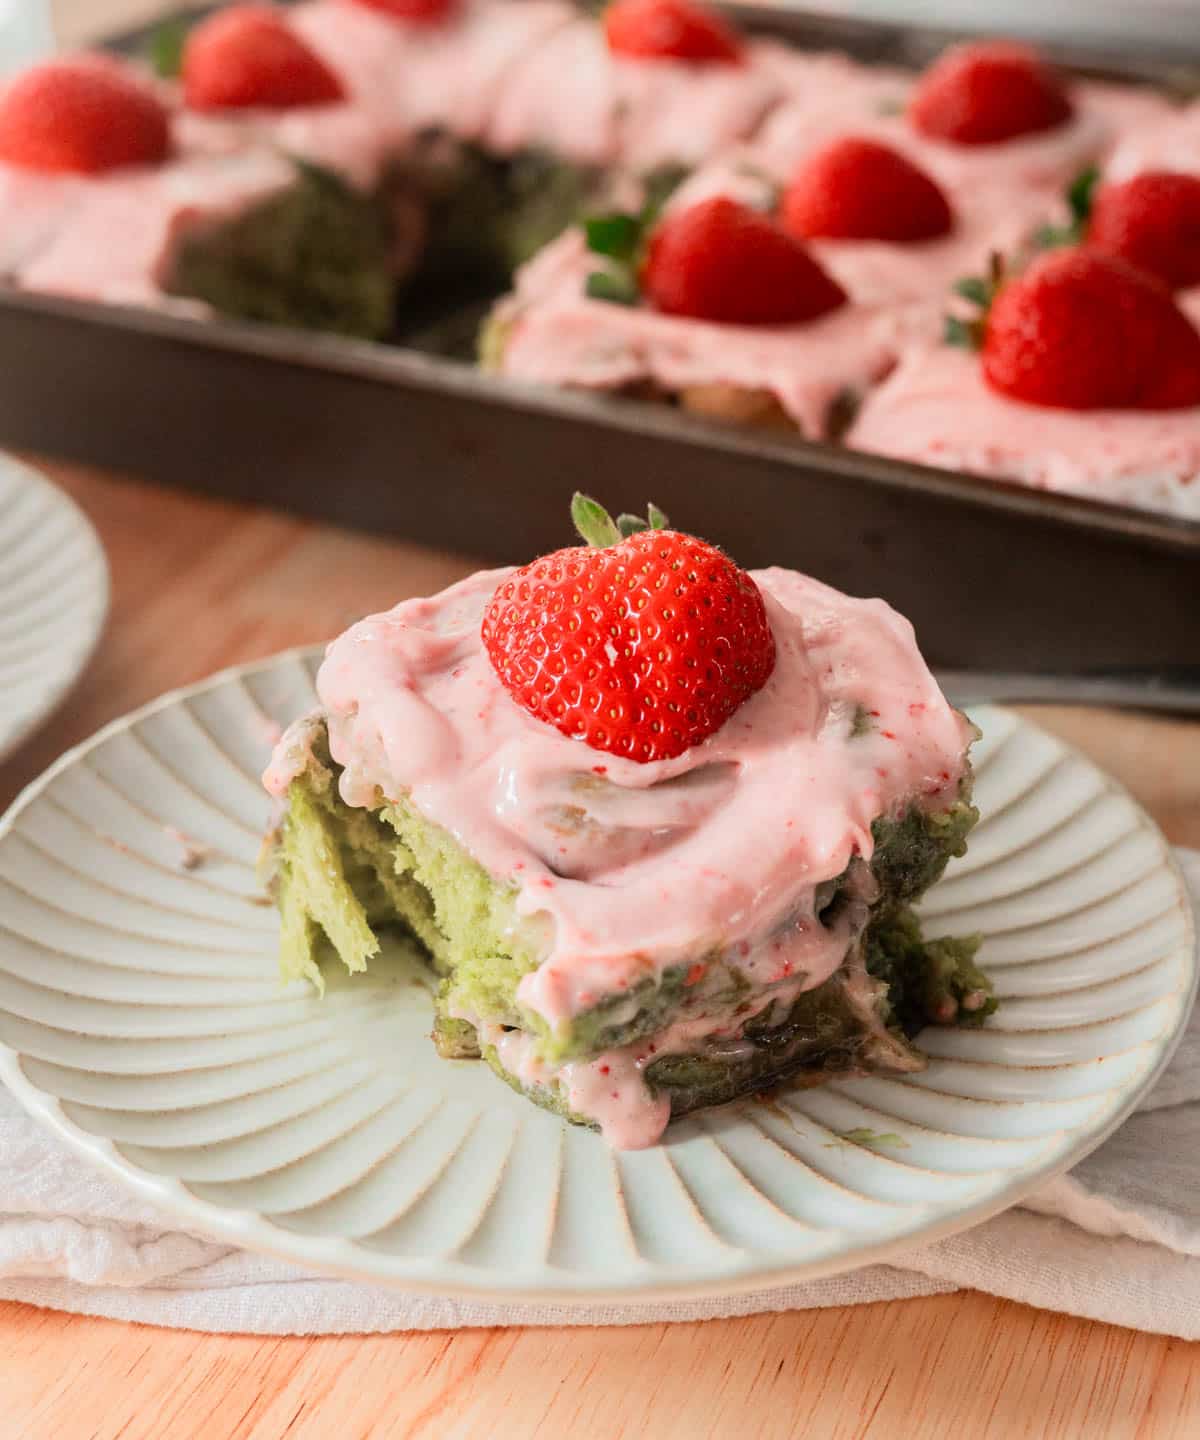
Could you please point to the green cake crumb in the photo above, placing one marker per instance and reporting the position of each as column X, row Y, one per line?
column 317, row 256
column 869, row 1139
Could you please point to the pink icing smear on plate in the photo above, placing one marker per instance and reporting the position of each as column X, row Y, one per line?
column 721, row 846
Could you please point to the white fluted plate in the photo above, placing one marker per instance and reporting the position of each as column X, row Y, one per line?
column 142, row 1019
column 53, row 598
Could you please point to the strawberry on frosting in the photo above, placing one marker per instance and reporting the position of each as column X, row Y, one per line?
column 1153, row 221
column 408, row 76
column 720, row 260
column 939, row 120
column 667, row 778
column 1082, row 377
column 640, row 645
column 983, row 94
column 249, row 57
column 936, row 408
column 670, row 30
column 578, row 97
column 860, row 189
column 415, row 12
column 877, row 223
column 561, row 326
column 85, row 116
column 1080, row 330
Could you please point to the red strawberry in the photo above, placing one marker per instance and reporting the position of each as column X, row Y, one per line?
column 247, row 56
column 642, row 648
column 669, row 30
column 1085, row 331
column 720, row 260
column 83, row 116
column 418, row 12
column 860, row 190
column 982, row 94
column 1153, row 221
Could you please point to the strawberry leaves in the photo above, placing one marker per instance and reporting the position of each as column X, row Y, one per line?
column 619, row 237
column 979, row 291
column 1079, row 196
column 164, row 48
column 597, row 527
column 616, row 235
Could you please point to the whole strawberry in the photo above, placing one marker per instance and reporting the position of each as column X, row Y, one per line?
column 81, row 116
column 855, row 189
column 641, row 644
column 1080, row 330
column 415, row 12
column 985, row 93
column 720, row 260
column 247, row 56
column 670, row 30
column 1153, row 221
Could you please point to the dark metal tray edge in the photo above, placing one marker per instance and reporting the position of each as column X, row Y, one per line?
column 870, row 39
column 381, row 362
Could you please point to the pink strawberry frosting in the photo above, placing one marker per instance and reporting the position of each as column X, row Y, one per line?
column 572, row 97
column 721, row 848
column 554, row 335
column 1172, row 143
column 937, row 409
column 125, row 232
column 34, row 209
column 864, row 103
column 341, row 138
column 410, row 76
column 881, row 273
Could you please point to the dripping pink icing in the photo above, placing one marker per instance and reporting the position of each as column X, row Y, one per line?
column 722, row 846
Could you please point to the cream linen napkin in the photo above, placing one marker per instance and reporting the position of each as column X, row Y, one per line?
column 1117, row 1239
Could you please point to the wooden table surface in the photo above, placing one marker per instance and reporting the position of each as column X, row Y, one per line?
column 198, row 585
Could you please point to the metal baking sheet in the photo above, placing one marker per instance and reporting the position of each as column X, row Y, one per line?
column 408, row 440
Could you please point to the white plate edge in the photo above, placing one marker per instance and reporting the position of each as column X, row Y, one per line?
column 99, row 620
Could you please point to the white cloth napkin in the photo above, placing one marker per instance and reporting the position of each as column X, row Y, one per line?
column 1117, row 1239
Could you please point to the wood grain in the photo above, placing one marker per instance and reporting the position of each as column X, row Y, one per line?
column 200, row 584
column 959, row 1366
